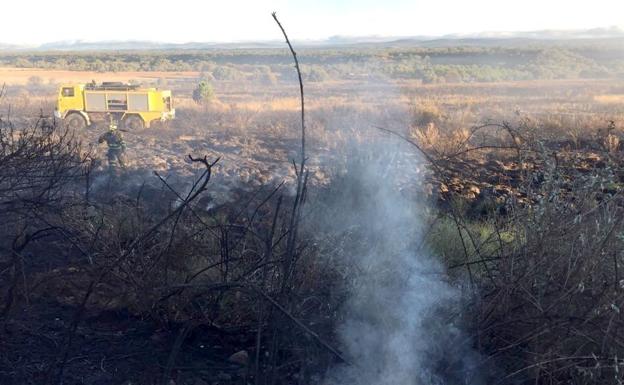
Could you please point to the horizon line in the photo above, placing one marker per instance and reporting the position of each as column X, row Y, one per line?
column 607, row 31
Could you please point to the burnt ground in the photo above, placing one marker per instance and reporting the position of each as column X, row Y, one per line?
column 113, row 345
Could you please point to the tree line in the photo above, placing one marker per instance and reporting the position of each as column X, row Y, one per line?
column 430, row 65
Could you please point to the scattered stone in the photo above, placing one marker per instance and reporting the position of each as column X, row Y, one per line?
column 240, row 358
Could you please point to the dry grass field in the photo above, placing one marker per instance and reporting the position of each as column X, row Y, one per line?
column 254, row 125
column 22, row 76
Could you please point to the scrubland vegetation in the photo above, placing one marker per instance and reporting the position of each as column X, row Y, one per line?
column 515, row 60
column 221, row 270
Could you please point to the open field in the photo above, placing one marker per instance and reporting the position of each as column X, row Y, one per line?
column 253, row 126
column 21, row 76
column 258, row 122
column 485, row 229
column 483, row 99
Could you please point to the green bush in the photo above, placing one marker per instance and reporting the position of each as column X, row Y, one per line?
column 203, row 92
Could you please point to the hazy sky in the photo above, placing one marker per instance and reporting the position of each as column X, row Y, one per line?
column 33, row 22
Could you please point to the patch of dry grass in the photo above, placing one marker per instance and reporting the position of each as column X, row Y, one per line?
column 608, row 99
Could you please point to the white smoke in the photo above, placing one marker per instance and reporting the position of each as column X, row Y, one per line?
column 400, row 324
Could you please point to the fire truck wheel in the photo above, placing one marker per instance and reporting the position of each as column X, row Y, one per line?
column 75, row 121
column 133, row 122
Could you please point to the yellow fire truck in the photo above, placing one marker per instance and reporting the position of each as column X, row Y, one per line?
column 135, row 107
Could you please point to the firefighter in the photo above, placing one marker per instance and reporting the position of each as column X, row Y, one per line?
column 116, row 145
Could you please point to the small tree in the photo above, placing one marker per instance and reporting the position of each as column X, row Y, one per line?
column 203, row 92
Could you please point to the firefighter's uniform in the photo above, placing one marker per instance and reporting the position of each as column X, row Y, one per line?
column 116, row 146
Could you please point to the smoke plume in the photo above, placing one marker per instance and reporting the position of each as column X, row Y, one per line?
column 401, row 322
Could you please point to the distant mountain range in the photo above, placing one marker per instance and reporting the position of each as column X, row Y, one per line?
column 483, row 38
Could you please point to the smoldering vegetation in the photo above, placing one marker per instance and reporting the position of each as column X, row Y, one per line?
column 164, row 285
column 443, row 251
